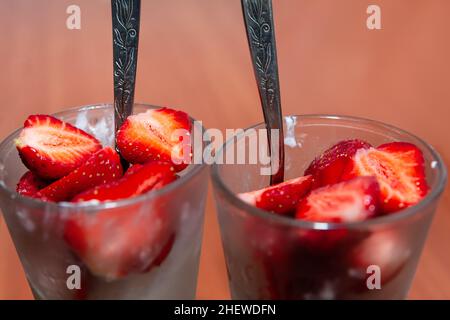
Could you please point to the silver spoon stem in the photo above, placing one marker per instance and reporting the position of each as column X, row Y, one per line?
column 125, row 23
column 258, row 16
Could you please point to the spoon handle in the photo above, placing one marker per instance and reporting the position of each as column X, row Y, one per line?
column 125, row 22
column 258, row 16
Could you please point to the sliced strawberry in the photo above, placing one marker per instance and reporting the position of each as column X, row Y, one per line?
column 137, row 180
column 399, row 169
column 385, row 249
column 349, row 201
column 281, row 198
column 328, row 168
column 157, row 134
column 102, row 167
column 116, row 242
column 30, row 184
column 51, row 148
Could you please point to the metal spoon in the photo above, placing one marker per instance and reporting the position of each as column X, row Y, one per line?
column 258, row 16
column 125, row 23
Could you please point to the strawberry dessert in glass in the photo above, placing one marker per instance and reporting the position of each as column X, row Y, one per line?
column 88, row 224
column 348, row 222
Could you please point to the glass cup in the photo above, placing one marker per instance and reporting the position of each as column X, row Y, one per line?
column 274, row 257
column 158, row 234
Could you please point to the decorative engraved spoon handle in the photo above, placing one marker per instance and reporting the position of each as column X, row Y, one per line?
column 125, row 23
column 258, row 16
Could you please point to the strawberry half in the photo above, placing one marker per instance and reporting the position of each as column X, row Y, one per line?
column 399, row 169
column 281, row 198
column 137, row 180
column 349, row 201
column 102, row 167
column 329, row 167
column 51, row 148
column 30, row 184
column 156, row 135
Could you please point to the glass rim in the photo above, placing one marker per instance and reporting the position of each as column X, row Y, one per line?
column 92, row 205
column 401, row 215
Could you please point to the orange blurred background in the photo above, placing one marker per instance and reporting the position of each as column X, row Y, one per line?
column 193, row 55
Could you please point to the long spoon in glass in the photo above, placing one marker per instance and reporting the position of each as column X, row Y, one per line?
column 125, row 25
column 258, row 16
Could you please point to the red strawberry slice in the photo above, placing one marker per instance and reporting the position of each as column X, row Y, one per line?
column 116, row 242
column 157, row 134
column 281, row 198
column 349, row 201
column 102, row 167
column 51, row 148
column 30, row 184
column 328, row 168
column 399, row 169
column 137, row 180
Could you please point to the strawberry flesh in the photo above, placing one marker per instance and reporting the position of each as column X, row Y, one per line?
column 281, row 198
column 329, row 167
column 399, row 169
column 102, row 167
column 153, row 136
column 52, row 148
column 119, row 242
column 30, row 184
column 137, row 180
column 349, row 201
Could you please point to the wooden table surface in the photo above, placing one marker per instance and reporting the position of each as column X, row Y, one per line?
column 194, row 56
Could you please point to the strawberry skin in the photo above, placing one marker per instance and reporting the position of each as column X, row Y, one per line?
column 399, row 169
column 102, row 167
column 329, row 167
column 149, row 136
column 51, row 148
column 137, row 180
column 30, row 184
column 349, row 201
column 281, row 198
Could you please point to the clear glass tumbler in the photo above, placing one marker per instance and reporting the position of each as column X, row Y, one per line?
column 274, row 257
column 162, row 228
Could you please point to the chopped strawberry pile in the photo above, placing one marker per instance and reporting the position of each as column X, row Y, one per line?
column 351, row 181
column 68, row 164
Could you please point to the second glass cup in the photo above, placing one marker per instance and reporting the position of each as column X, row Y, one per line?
column 274, row 257
column 157, row 235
